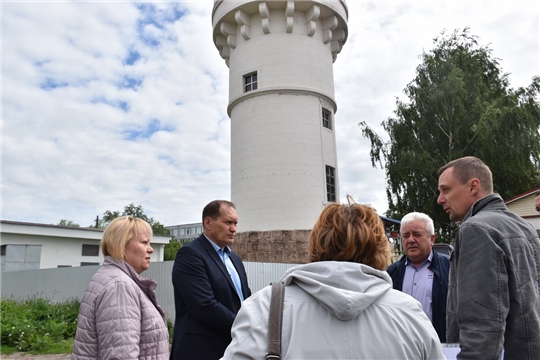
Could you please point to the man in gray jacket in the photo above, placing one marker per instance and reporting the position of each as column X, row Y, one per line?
column 493, row 291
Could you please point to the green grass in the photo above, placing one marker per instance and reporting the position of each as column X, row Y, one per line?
column 38, row 326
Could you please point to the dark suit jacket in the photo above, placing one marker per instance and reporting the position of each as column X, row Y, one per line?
column 205, row 300
column 440, row 265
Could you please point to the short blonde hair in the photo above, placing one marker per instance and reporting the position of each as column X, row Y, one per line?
column 119, row 232
column 352, row 233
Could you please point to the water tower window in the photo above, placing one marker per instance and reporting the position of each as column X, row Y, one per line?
column 327, row 119
column 250, row 82
column 330, row 183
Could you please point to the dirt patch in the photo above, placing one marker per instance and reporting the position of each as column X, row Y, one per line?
column 25, row 356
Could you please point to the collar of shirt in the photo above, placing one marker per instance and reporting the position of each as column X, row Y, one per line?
column 223, row 254
column 428, row 260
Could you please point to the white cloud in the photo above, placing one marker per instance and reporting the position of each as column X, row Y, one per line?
column 108, row 103
column 380, row 58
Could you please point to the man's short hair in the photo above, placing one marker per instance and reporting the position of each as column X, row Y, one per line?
column 212, row 209
column 469, row 167
column 418, row 216
column 537, row 193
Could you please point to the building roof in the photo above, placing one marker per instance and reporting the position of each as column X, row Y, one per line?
column 10, row 222
column 521, row 196
column 28, row 228
column 389, row 221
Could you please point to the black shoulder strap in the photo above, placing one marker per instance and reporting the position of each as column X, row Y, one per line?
column 275, row 319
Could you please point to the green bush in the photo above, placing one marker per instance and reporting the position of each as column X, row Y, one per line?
column 37, row 324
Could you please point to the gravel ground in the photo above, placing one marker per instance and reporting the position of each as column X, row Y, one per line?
column 25, row 356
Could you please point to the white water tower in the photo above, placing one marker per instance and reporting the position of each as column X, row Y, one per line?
column 280, row 56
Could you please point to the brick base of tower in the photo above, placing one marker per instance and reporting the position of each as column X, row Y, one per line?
column 275, row 246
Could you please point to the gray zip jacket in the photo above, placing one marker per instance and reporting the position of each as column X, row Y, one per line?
column 119, row 317
column 493, row 291
column 337, row 310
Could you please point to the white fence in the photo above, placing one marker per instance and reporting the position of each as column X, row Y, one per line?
column 62, row 284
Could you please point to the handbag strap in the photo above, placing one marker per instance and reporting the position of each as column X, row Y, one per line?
column 275, row 319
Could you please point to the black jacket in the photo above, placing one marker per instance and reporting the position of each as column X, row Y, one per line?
column 440, row 266
column 205, row 300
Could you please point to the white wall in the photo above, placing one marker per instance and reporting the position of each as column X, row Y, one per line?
column 63, row 246
column 525, row 208
column 59, row 285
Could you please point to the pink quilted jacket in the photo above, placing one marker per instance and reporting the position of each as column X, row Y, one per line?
column 119, row 317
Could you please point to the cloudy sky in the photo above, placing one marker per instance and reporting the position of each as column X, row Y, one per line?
column 109, row 103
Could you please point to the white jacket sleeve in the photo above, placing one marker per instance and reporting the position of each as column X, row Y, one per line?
column 250, row 328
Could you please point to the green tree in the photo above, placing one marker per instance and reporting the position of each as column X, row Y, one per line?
column 70, row 223
column 136, row 211
column 459, row 104
column 171, row 249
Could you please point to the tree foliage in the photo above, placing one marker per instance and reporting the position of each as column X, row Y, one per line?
column 460, row 104
column 171, row 249
column 64, row 222
column 136, row 211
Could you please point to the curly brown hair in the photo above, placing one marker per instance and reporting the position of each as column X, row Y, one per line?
column 352, row 233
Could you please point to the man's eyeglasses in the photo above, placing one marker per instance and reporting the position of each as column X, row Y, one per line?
column 537, row 209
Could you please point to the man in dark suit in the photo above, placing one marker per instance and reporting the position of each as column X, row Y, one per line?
column 210, row 284
column 422, row 272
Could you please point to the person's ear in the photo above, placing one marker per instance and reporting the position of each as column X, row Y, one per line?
column 474, row 186
column 207, row 222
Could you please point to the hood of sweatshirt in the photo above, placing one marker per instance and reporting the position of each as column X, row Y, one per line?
column 344, row 289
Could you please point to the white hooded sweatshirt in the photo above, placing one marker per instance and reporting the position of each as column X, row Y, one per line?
column 337, row 310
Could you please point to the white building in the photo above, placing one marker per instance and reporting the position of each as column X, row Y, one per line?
column 40, row 246
column 280, row 56
column 523, row 205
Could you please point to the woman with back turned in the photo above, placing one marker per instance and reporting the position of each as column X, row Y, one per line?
column 119, row 317
column 341, row 305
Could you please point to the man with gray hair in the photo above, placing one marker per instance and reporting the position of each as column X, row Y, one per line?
column 422, row 272
column 494, row 288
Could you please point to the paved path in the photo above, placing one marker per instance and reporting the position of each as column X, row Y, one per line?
column 25, row 356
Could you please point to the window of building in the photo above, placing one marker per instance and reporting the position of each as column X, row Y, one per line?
column 327, row 119
column 250, row 82
column 3, row 250
column 90, row 250
column 89, row 263
column 330, row 183
column 64, row 266
column 182, row 231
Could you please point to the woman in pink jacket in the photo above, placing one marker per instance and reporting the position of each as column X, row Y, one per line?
column 119, row 317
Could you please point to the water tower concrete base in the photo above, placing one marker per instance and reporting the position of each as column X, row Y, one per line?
column 275, row 246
